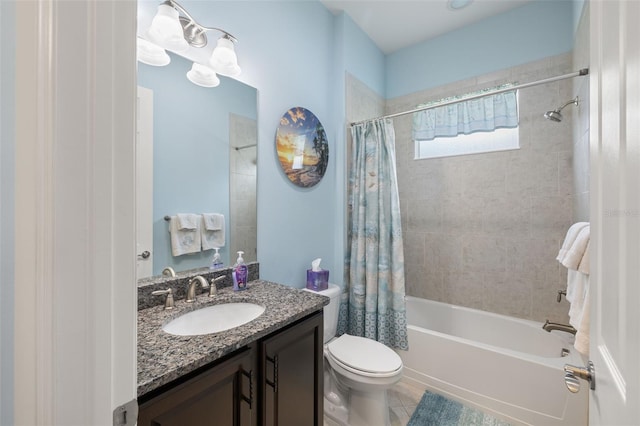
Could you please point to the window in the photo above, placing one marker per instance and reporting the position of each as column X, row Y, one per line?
column 485, row 124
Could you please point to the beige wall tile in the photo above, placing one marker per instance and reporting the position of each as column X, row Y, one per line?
column 483, row 230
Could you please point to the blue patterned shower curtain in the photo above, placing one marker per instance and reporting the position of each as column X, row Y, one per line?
column 373, row 304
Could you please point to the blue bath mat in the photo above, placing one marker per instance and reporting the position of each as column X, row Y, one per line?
column 436, row 410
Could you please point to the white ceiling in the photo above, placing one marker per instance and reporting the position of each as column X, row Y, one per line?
column 395, row 24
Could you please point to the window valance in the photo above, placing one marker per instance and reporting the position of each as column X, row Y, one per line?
column 477, row 115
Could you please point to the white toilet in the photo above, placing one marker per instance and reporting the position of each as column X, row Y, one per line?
column 357, row 373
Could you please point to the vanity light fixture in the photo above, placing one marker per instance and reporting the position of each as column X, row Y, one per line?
column 175, row 29
column 166, row 29
column 224, row 59
column 202, row 76
column 151, row 54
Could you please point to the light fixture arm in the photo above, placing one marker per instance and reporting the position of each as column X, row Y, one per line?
column 193, row 31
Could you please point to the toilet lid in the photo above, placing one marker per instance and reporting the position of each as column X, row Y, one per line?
column 364, row 354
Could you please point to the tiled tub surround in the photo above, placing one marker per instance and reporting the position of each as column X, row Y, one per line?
column 179, row 283
column 163, row 357
column 483, row 230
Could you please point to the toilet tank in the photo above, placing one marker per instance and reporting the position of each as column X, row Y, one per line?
column 330, row 311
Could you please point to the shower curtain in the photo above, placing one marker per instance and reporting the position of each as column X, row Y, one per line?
column 372, row 303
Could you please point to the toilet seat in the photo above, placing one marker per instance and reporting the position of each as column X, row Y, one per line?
column 364, row 357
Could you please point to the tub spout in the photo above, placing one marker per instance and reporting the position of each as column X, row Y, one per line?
column 556, row 326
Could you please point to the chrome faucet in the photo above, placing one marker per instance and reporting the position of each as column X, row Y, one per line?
column 191, row 290
column 169, row 272
column 556, row 326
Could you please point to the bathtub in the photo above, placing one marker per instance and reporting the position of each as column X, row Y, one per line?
column 504, row 366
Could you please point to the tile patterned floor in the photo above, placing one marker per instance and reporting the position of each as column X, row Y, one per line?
column 403, row 399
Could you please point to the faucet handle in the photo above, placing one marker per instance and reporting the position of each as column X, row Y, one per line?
column 213, row 290
column 168, row 302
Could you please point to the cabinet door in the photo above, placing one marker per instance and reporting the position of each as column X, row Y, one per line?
column 291, row 379
column 220, row 396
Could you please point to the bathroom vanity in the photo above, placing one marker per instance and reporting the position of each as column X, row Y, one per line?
column 265, row 372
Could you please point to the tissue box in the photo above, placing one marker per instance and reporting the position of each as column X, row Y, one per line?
column 317, row 280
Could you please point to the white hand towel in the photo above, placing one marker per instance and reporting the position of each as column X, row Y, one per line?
column 576, row 252
column 582, row 335
column 213, row 221
column 184, row 241
column 576, row 288
column 570, row 239
column 584, row 263
column 212, row 234
column 188, row 221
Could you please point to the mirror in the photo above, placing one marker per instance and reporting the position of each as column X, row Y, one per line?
column 204, row 147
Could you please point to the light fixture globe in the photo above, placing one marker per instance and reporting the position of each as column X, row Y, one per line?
column 202, row 76
column 151, row 54
column 166, row 29
column 223, row 59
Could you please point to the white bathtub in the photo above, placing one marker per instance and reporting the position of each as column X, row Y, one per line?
column 504, row 366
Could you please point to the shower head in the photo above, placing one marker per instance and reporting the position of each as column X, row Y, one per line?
column 555, row 115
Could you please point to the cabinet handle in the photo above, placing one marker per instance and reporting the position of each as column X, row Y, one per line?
column 248, row 400
column 274, row 383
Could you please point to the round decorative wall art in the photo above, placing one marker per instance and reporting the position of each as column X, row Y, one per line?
column 302, row 147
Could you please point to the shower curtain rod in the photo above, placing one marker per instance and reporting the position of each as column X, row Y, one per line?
column 584, row 71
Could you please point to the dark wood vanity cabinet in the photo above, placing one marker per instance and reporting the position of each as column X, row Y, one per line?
column 291, row 375
column 277, row 380
column 223, row 395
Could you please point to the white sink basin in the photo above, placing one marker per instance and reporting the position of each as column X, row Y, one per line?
column 213, row 319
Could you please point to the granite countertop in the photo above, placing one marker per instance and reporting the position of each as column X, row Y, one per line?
column 163, row 357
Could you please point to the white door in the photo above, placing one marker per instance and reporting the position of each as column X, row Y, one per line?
column 615, row 212
column 144, row 183
column 75, row 289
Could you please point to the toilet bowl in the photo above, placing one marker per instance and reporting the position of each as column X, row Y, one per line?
column 357, row 373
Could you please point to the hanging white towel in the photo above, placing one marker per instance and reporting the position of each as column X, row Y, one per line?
column 582, row 319
column 185, row 235
column 213, row 221
column 570, row 238
column 576, row 289
column 572, row 256
column 212, row 231
column 187, row 221
column 584, row 263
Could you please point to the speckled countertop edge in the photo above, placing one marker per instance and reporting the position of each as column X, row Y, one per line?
column 163, row 357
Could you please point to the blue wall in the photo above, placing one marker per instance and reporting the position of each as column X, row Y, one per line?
column 363, row 59
column 7, row 205
column 286, row 51
column 528, row 33
column 297, row 53
column 191, row 152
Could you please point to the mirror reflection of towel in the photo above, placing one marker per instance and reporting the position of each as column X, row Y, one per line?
column 187, row 221
column 213, row 221
column 212, row 231
column 185, row 236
